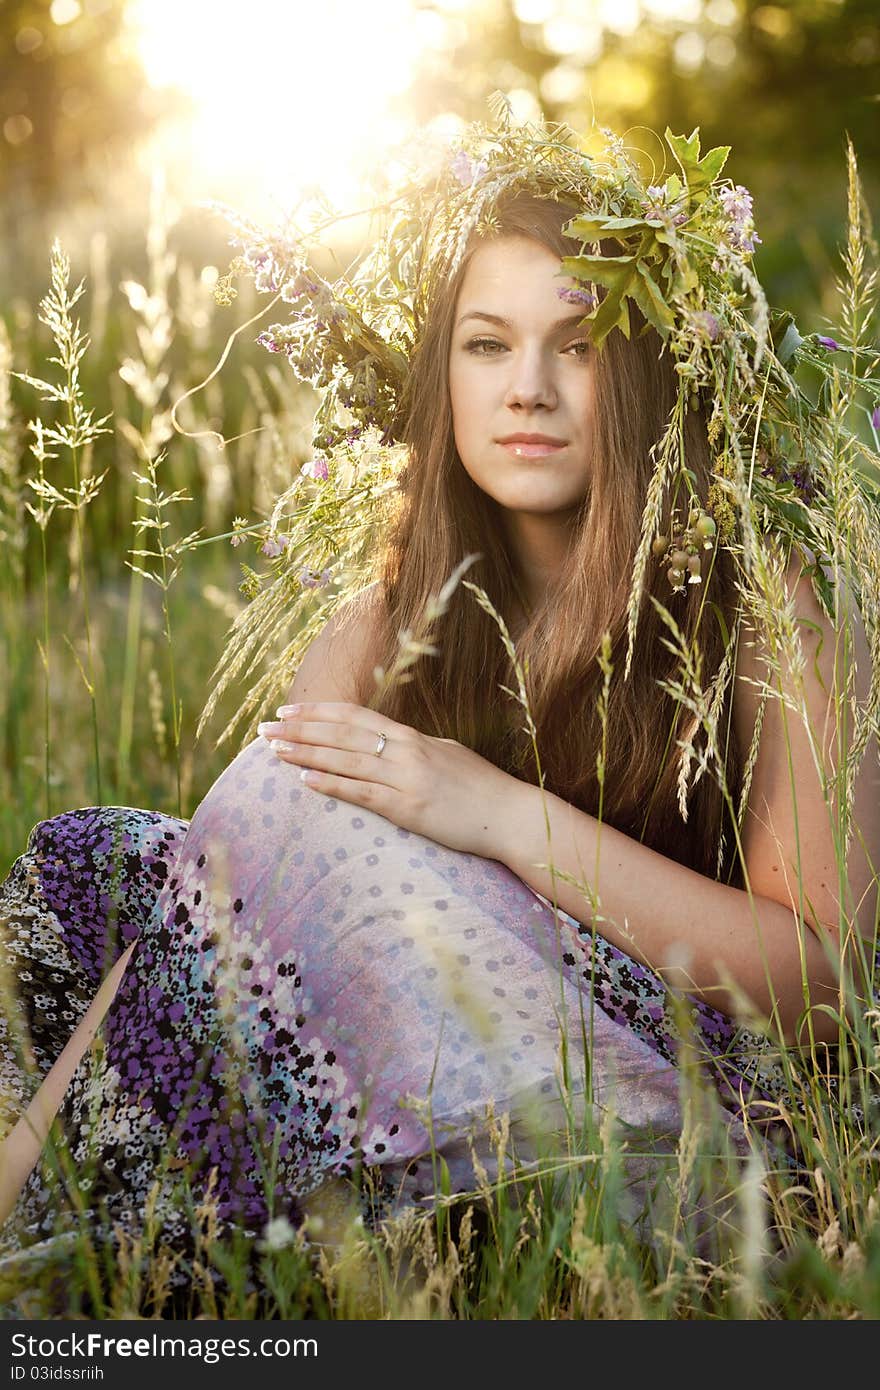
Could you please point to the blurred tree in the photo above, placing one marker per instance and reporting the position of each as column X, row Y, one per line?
column 73, row 99
column 781, row 83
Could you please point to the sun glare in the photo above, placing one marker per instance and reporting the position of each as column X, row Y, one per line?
column 284, row 97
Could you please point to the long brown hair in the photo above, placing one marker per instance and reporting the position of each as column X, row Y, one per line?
column 442, row 516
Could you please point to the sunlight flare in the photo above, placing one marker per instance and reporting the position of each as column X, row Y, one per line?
column 284, row 99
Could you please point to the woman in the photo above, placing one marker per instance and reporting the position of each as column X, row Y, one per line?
column 352, row 950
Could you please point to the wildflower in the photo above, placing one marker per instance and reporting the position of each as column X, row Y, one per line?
column 273, row 545
column 801, row 479
column 614, row 143
column 654, row 205
column 467, row 170
column 270, row 342
column 875, row 417
column 277, row 1234
column 316, row 468
column 238, row 537
column 708, row 324
column 829, row 344
column 573, row 296
column 737, row 203
column 298, row 288
column 266, row 271
column 310, row 579
column 656, row 208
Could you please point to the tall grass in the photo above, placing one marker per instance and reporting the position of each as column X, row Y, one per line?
column 104, row 706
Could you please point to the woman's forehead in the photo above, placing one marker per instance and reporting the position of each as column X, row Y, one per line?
column 508, row 270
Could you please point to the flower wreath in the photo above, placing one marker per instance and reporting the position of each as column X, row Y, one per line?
column 791, row 461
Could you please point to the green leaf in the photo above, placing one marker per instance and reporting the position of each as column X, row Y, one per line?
column 610, row 271
column 684, row 279
column 790, row 343
column 785, row 337
column 612, row 313
column 686, row 148
column 595, row 228
column 711, row 164
column 647, row 295
column 699, row 173
column 674, row 187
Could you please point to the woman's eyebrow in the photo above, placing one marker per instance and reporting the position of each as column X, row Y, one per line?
column 568, row 321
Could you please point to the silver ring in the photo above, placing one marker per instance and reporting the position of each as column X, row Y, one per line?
column 380, row 745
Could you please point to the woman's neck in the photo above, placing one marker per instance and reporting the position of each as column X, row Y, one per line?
column 542, row 546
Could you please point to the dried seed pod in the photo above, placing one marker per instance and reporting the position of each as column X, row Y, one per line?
column 678, row 559
column 705, row 529
column 659, row 545
column 675, row 577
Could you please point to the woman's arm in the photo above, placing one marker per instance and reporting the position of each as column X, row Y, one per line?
column 704, row 935
column 21, row 1148
column 781, row 949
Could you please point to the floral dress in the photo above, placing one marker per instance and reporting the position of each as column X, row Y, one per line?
column 315, row 994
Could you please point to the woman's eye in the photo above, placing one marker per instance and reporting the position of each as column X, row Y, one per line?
column 580, row 349
column 484, row 347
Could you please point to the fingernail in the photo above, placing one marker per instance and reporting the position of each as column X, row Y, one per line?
column 287, row 711
column 263, row 729
column 279, row 745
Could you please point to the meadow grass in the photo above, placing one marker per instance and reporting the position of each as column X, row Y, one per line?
column 111, row 627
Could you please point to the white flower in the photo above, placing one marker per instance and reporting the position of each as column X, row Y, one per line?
column 278, row 1233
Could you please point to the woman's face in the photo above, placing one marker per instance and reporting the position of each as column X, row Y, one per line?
column 521, row 380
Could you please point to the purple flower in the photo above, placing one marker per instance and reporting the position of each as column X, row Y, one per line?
column 239, row 535
column 467, row 170
column 657, row 209
column 829, row 344
column 654, row 205
column 266, row 274
column 572, row 296
column 316, row 468
column 875, row 417
column 801, row 479
column 737, row 203
column 299, row 286
column 709, row 325
column 270, row 342
column 310, row 579
column 273, row 545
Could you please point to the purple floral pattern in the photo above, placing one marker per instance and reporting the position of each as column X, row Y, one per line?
column 315, row 992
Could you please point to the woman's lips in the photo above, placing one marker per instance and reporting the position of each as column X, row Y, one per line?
column 532, row 448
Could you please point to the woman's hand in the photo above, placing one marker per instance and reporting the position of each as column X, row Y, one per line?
column 433, row 786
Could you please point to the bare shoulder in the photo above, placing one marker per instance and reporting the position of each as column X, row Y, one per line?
column 789, row 830
column 337, row 663
column 824, row 659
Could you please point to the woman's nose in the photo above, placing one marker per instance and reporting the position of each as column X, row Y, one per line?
column 531, row 382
